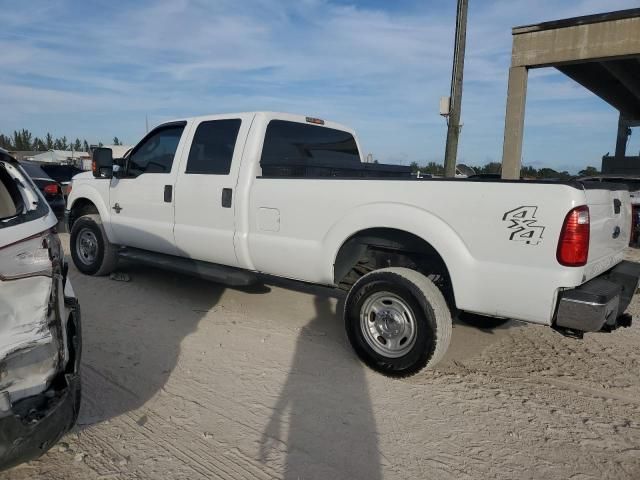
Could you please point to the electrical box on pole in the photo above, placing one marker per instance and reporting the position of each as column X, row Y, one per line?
column 445, row 106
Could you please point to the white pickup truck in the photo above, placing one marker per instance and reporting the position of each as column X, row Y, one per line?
column 230, row 197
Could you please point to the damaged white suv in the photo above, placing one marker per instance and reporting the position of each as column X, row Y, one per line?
column 39, row 323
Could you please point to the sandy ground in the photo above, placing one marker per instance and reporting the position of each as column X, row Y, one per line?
column 187, row 379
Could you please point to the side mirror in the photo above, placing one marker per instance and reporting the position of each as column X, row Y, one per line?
column 102, row 164
column 119, row 167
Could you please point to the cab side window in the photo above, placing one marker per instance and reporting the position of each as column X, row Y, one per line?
column 212, row 147
column 156, row 153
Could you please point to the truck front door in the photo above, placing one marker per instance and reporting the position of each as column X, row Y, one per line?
column 142, row 197
column 205, row 201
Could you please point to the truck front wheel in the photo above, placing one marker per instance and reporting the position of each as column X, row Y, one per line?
column 91, row 251
column 397, row 321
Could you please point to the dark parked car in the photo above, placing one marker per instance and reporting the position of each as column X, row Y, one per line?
column 50, row 188
column 61, row 174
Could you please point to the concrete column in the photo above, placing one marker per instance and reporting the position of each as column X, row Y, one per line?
column 622, row 138
column 514, row 123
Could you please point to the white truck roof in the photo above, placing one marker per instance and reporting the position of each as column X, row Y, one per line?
column 268, row 115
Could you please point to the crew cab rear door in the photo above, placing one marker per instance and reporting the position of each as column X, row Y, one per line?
column 205, row 210
column 141, row 199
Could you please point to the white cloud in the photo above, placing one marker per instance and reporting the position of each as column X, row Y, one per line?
column 380, row 71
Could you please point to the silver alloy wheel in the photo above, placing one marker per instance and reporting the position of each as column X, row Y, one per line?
column 87, row 246
column 388, row 324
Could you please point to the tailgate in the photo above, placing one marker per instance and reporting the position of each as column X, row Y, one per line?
column 610, row 219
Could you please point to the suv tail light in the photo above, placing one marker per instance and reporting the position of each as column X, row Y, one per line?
column 573, row 245
column 51, row 189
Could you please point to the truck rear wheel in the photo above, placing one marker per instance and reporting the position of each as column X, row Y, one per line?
column 91, row 251
column 397, row 321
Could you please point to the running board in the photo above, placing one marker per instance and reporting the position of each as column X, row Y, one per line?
column 233, row 277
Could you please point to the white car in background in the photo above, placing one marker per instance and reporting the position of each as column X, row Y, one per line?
column 40, row 341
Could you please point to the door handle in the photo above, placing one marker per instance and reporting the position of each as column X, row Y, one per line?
column 168, row 193
column 227, row 193
column 117, row 207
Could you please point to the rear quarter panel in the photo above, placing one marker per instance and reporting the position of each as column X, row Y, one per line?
column 498, row 239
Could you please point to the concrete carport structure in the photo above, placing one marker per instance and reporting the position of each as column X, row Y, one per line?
column 600, row 52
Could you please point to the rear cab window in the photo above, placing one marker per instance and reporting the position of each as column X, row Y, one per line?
column 299, row 149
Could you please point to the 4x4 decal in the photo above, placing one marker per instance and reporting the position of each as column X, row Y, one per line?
column 523, row 225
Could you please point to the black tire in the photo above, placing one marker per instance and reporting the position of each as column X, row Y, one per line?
column 104, row 261
column 417, row 301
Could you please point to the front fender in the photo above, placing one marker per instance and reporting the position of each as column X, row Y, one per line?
column 410, row 219
column 98, row 195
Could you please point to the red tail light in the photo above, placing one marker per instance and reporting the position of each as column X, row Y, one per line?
column 573, row 246
column 51, row 189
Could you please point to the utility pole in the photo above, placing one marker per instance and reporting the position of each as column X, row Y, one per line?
column 453, row 124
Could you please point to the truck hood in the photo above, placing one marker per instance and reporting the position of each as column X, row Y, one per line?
column 83, row 176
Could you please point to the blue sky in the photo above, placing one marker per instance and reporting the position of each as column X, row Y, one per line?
column 94, row 69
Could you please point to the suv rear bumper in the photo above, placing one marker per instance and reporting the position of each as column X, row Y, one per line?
column 34, row 424
column 600, row 303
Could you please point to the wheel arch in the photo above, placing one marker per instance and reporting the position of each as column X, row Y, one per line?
column 405, row 233
column 87, row 202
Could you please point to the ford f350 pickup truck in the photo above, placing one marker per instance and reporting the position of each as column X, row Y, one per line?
column 229, row 197
column 39, row 323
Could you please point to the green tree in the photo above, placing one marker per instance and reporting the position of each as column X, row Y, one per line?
column 588, row 172
column 85, row 146
column 414, row 167
column 22, row 140
column 548, row 173
column 77, row 146
column 116, row 141
column 433, row 168
column 528, row 172
column 38, row 145
column 5, row 142
column 491, row 167
column 48, row 141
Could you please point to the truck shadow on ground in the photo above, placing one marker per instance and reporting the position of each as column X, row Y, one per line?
column 323, row 425
column 132, row 341
column 132, row 336
column 132, row 332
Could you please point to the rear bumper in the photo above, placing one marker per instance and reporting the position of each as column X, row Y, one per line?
column 600, row 303
column 32, row 425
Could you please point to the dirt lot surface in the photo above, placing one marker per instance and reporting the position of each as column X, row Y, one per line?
column 187, row 379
